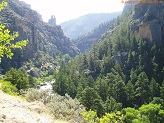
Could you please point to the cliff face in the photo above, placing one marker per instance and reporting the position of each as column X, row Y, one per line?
column 40, row 35
column 148, row 20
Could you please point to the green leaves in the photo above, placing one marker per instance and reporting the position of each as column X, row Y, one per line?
column 2, row 5
column 6, row 37
column 90, row 116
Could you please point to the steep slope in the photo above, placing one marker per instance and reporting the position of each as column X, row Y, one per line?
column 125, row 68
column 50, row 40
column 84, row 24
column 86, row 41
column 146, row 23
column 148, row 20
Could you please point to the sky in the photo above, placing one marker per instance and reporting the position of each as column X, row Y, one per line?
column 65, row 10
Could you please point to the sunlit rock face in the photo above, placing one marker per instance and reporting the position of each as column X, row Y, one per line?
column 41, row 36
column 147, row 19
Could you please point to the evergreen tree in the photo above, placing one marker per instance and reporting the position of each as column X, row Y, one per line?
column 91, row 100
column 17, row 78
column 162, row 90
column 141, row 88
column 130, row 93
column 111, row 105
column 102, row 88
column 154, row 89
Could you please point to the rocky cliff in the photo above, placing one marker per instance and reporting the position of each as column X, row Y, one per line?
column 41, row 36
column 148, row 19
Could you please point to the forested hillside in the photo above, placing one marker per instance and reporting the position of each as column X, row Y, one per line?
column 86, row 41
column 125, row 69
column 84, row 24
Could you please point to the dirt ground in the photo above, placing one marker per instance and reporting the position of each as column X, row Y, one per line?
column 16, row 110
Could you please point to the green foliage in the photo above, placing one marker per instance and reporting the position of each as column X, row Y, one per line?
column 112, row 118
column 149, row 113
column 64, row 84
column 131, row 115
column 8, row 88
column 142, row 87
column 17, row 78
column 6, row 37
column 111, row 105
column 120, row 71
column 2, row 5
column 91, row 100
column 90, row 116
column 130, row 93
column 162, row 90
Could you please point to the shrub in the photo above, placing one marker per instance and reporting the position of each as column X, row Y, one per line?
column 69, row 108
column 36, row 95
column 90, row 116
column 112, row 118
column 61, row 107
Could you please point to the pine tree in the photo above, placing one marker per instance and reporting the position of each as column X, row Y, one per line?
column 162, row 90
column 91, row 100
column 141, row 88
column 130, row 93
column 154, row 89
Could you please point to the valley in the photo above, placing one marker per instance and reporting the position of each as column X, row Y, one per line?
column 98, row 68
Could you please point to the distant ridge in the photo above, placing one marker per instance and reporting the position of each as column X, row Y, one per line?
column 84, row 24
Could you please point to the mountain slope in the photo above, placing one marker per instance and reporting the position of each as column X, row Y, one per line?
column 41, row 36
column 148, row 21
column 85, row 42
column 85, row 24
column 145, row 23
column 125, row 68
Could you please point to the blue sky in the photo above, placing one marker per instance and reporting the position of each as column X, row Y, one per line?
column 65, row 10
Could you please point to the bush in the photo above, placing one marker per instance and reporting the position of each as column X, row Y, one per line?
column 18, row 78
column 7, row 87
column 90, row 116
column 35, row 95
column 69, row 108
column 61, row 107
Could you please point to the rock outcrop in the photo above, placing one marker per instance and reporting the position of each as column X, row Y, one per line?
column 52, row 21
column 148, row 19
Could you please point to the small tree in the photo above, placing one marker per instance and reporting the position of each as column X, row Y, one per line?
column 6, row 37
column 17, row 78
column 91, row 100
